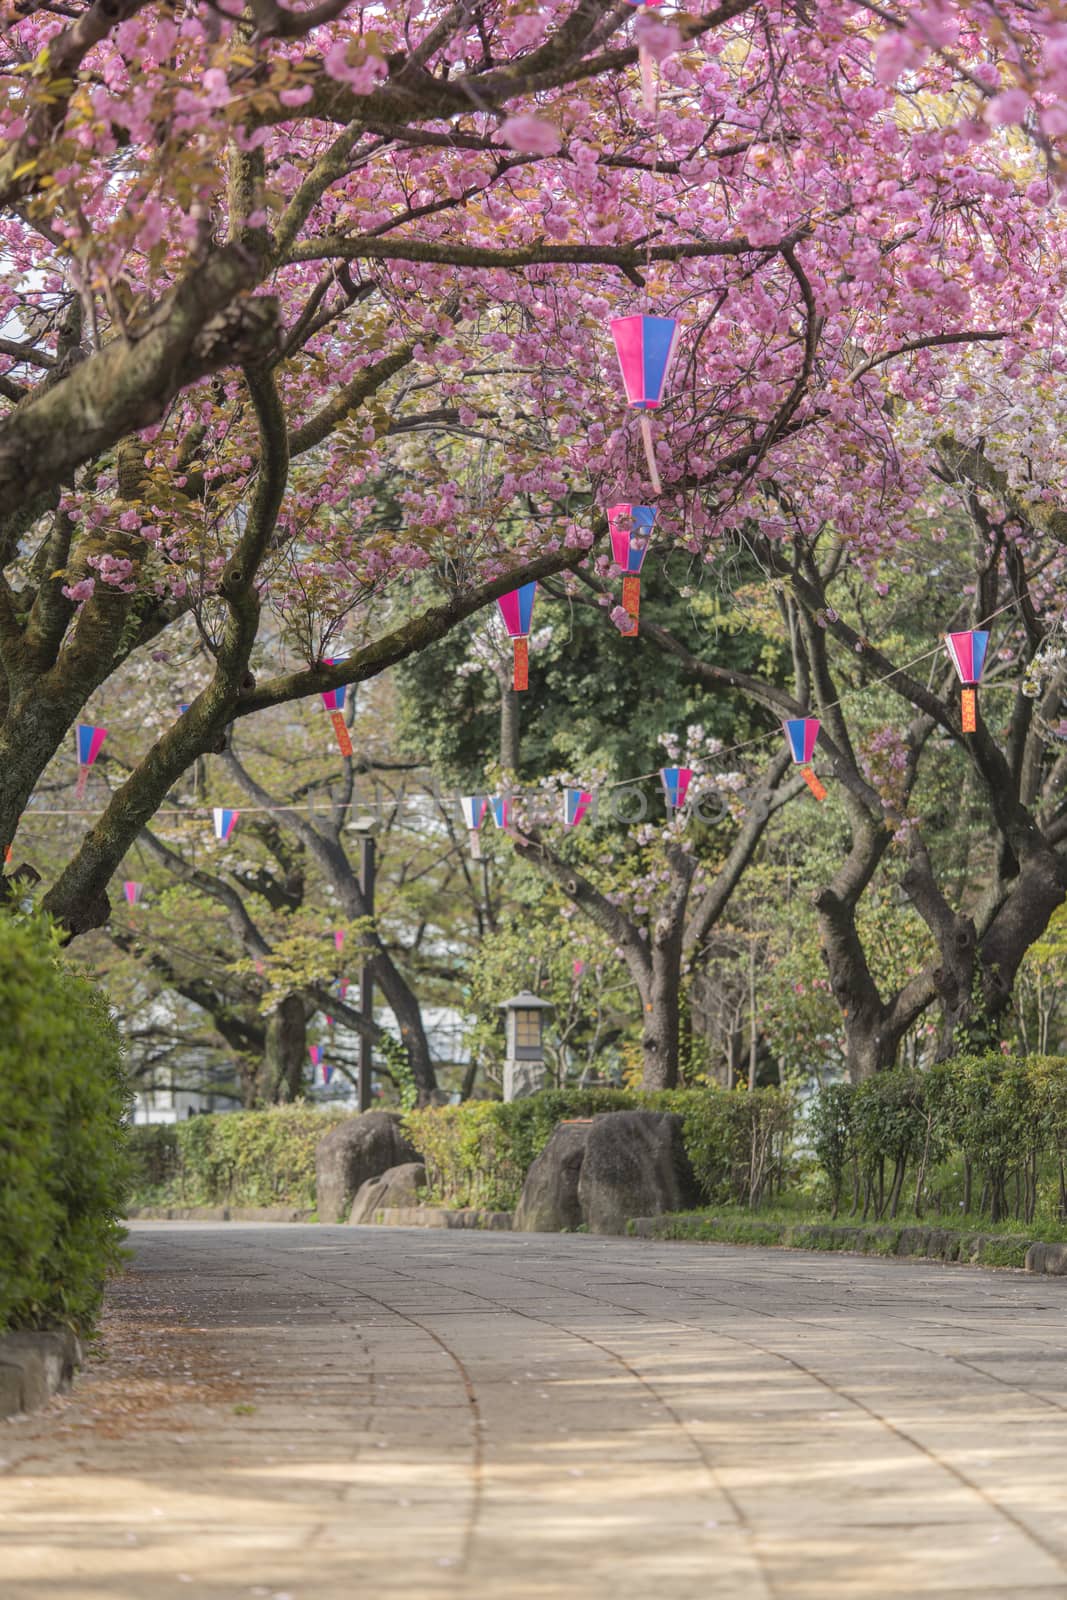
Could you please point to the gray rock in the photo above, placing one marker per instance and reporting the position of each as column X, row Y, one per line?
column 361, row 1148
column 1050, row 1258
column 635, row 1165
column 398, row 1187
column 34, row 1366
column 549, row 1202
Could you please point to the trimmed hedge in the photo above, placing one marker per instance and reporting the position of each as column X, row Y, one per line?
column 154, row 1158
column 241, row 1158
column 478, row 1154
column 998, row 1121
column 64, row 1171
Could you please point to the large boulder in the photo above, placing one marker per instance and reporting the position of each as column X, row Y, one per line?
column 549, row 1201
column 361, row 1148
column 398, row 1187
column 634, row 1165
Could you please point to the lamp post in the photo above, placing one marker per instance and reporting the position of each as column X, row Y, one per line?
column 365, row 828
column 524, row 1058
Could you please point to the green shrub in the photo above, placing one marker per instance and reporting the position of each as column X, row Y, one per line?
column 153, row 1158
column 240, row 1158
column 737, row 1139
column 997, row 1119
column 478, row 1154
column 63, row 1164
column 832, row 1133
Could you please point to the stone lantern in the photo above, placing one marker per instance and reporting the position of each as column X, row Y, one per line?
column 524, row 1059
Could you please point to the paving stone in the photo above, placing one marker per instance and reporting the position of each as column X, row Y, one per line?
column 326, row 1411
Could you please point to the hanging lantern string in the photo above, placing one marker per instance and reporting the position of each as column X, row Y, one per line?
column 312, row 806
column 850, row 694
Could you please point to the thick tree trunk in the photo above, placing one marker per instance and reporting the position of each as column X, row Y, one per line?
column 660, row 999
column 870, row 1047
column 405, row 1007
column 509, row 728
column 285, row 1051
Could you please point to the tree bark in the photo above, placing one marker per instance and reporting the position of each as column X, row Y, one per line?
column 660, row 1036
column 285, row 1051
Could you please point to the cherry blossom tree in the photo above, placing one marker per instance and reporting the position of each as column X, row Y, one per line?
column 304, row 316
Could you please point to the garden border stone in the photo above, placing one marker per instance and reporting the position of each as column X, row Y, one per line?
column 441, row 1217
column 219, row 1214
column 35, row 1365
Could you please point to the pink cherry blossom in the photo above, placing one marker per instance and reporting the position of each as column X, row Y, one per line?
column 529, row 135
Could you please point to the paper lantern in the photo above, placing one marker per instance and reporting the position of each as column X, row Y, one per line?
column 474, row 807
column 576, row 803
column 500, row 805
column 338, row 939
column 631, row 529
column 133, row 892
column 225, row 822
column 967, row 652
column 645, row 347
column 334, row 701
column 516, row 609
column 802, row 732
column 676, row 781
column 89, row 741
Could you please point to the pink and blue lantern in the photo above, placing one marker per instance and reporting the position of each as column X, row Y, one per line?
column 576, row 803
column 631, row 529
column 646, row 348
column 474, row 807
column 89, row 740
column 225, row 822
column 967, row 652
column 676, row 781
column 516, row 609
column 802, row 734
column 500, row 805
column 334, row 701
column 338, row 939
column 133, row 892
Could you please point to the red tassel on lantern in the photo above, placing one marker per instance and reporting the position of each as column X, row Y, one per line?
column 344, row 743
column 631, row 596
column 813, row 783
column 521, row 675
column 969, row 711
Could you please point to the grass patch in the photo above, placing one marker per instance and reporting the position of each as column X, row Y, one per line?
column 930, row 1239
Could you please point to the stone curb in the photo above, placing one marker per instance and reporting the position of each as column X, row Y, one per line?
column 915, row 1241
column 1047, row 1258
column 438, row 1217
column 219, row 1214
column 34, row 1366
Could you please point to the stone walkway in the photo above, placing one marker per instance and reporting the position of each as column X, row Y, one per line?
column 312, row 1413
